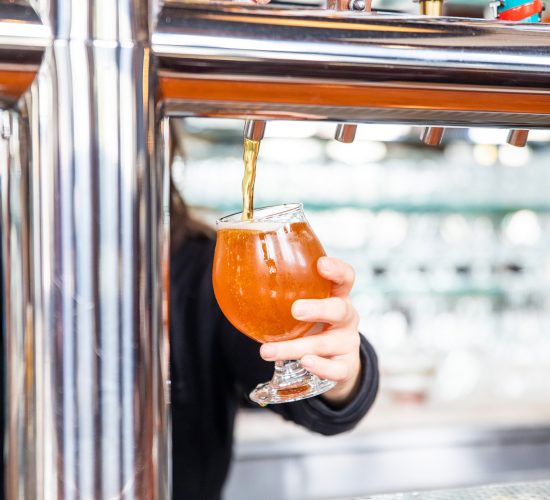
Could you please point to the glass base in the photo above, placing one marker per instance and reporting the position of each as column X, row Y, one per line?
column 290, row 382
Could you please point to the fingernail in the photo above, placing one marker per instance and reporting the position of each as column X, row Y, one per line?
column 326, row 265
column 268, row 351
column 300, row 310
column 308, row 362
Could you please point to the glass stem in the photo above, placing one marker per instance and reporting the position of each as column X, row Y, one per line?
column 289, row 374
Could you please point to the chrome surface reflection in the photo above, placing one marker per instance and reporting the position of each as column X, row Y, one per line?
column 107, row 20
column 87, row 251
column 19, row 390
column 351, row 67
column 23, row 40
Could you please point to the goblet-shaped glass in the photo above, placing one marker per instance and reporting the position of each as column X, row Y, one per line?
column 261, row 266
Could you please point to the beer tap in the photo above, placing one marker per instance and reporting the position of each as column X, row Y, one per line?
column 526, row 11
column 518, row 137
column 433, row 8
column 254, row 130
column 346, row 132
column 431, row 136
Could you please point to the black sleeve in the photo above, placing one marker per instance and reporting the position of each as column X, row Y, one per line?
column 248, row 369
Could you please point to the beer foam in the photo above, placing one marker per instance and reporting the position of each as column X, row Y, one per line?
column 261, row 227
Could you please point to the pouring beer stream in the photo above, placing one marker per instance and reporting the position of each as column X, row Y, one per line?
column 250, row 157
column 252, row 135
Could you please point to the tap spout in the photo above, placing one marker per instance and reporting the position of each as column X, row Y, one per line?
column 254, row 130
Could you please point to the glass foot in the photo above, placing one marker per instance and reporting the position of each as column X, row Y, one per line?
column 291, row 382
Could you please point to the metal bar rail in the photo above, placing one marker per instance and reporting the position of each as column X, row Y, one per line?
column 224, row 60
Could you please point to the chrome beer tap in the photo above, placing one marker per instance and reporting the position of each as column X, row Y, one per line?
column 346, row 132
column 431, row 136
column 526, row 11
column 254, row 130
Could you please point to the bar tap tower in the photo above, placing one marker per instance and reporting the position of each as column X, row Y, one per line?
column 84, row 251
column 84, row 186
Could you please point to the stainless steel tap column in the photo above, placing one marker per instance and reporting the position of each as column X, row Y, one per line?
column 92, row 364
column 23, row 39
column 18, row 390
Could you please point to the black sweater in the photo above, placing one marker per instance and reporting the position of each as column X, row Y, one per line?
column 213, row 367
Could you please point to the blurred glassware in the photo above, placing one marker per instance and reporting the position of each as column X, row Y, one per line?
column 408, row 372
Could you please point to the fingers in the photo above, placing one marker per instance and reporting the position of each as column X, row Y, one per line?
column 334, row 311
column 337, row 371
column 333, row 354
column 333, row 343
column 340, row 273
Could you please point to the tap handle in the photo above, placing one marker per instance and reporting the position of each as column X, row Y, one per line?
column 524, row 11
column 432, row 8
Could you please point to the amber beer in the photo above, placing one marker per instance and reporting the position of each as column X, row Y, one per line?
column 260, row 269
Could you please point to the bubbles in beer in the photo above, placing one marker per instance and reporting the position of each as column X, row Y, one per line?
column 260, row 269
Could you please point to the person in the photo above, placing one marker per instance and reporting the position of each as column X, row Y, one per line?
column 214, row 366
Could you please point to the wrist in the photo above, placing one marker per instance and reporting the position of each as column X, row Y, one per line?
column 345, row 391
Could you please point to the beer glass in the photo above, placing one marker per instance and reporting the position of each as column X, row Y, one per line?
column 261, row 266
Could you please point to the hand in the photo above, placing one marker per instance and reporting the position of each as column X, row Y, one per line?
column 334, row 353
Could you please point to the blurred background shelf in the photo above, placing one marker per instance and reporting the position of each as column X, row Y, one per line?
column 451, row 248
column 497, row 211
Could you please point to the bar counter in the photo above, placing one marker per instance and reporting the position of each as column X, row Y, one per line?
column 396, row 448
column 539, row 490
